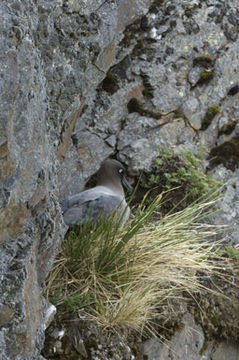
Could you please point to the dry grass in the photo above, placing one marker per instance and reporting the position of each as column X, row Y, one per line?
column 120, row 276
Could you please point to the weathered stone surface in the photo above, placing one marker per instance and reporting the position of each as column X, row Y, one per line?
column 59, row 119
column 185, row 37
column 28, row 185
column 189, row 343
column 157, row 75
column 147, row 134
column 185, row 344
column 53, row 55
column 81, row 161
column 226, row 351
column 229, row 205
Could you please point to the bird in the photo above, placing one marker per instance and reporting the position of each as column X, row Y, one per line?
column 101, row 201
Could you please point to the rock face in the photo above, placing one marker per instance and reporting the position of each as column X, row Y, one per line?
column 190, row 343
column 53, row 55
column 82, row 80
column 30, row 222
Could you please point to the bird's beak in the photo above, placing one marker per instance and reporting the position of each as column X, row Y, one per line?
column 127, row 185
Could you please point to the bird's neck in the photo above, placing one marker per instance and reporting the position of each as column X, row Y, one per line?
column 115, row 186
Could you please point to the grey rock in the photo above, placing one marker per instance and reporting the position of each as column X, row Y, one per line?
column 49, row 312
column 228, row 205
column 225, row 351
column 191, row 109
column 185, row 344
column 141, row 138
column 54, row 56
column 111, row 141
column 189, row 343
column 194, row 75
column 81, row 162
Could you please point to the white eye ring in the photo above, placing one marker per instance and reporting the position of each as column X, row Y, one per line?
column 121, row 171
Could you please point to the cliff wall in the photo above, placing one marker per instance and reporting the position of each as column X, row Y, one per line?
column 83, row 80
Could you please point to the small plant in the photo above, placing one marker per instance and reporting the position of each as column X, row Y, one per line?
column 76, row 302
column 166, row 153
column 153, row 179
column 56, row 296
column 200, row 183
column 124, row 277
column 182, row 171
column 158, row 162
column 232, row 252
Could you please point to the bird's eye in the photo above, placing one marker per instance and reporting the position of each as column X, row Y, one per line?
column 121, row 171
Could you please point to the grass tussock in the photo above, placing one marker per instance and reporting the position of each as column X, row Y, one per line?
column 120, row 276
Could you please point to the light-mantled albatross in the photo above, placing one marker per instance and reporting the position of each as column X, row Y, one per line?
column 100, row 201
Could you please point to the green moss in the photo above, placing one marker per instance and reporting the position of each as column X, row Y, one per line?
column 232, row 252
column 190, row 173
column 75, row 302
column 205, row 77
column 56, row 296
column 153, row 180
column 209, row 116
column 203, row 348
column 181, row 174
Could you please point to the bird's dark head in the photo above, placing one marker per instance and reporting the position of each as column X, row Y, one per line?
column 112, row 172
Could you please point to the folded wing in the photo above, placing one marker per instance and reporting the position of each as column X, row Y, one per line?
column 80, row 209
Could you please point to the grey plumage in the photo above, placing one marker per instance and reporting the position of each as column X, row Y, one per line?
column 106, row 197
